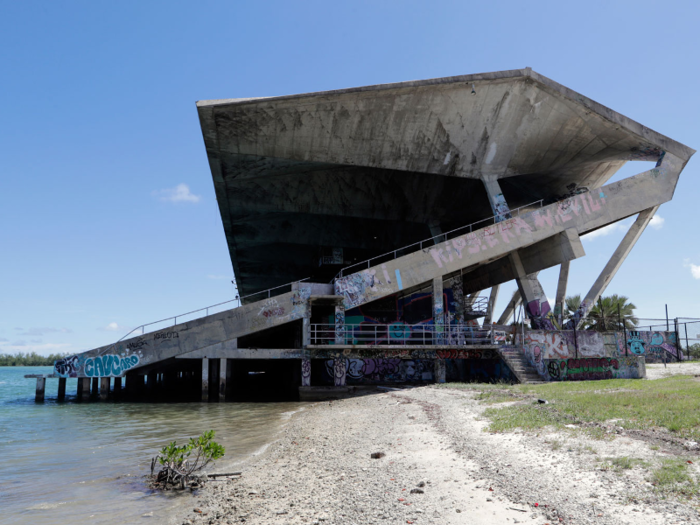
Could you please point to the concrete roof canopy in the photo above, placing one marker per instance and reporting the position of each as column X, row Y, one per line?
column 375, row 168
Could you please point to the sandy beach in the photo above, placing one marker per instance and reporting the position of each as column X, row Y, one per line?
column 439, row 466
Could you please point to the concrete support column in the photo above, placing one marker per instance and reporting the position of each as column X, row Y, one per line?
column 340, row 324
column 618, row 257
column 104, row 388
column 223, row 375
column 458, row 297
column 306, row 372
column 440, row 373
column 498, row 203
column 83, row 388
column 306, row 332
column 205, row 379
column 536, row 303
column 61, row 388
column 40, row 389
column 95, row 386
column 492, row 304
column 438, row 311
column 561, row 291
column 510, row 308
column 339, row 371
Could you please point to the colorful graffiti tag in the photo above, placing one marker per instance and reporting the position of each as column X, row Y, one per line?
column 654, row 345
column 383, row 370
column 593, row 368
column 110, row 365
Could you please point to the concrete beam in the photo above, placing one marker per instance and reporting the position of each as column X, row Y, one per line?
column 536, row 303
column 493, row 297
column 616, row 260
column 510, row 308
column 305, row 372
column 339, row 324
column 545, row 254
column 438, row 310
column 500, row 208
column 561, row 291
column 339, row 371
column 440, row 371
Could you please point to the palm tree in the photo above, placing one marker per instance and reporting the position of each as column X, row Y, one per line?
column 571, row 307
column 612, row 313
column 603, row 316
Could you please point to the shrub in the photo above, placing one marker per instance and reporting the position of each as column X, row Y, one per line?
column 180, row 464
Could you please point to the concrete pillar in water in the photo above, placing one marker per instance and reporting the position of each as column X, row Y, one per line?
column 438, row 311
column 95, row 386
column 223, row 375
column 61, row 388
column 205, row 379
column 561, row 292
column 500, row 208
column 40, row 388
column 306, row 372
column 440, row 373
column 117, row 386
column 339, row 371
column 536, row 303
column 83, row 388
column 340, row 324
column 104, row 388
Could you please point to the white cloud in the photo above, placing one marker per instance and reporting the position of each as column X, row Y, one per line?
column 657, row 222
column 112, row 327
column 608, row 230
column 180, row 193
column 694, row 268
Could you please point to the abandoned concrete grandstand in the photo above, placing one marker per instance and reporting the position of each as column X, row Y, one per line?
column 363, row 224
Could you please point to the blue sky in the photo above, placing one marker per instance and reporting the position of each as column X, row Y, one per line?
column 107, row 211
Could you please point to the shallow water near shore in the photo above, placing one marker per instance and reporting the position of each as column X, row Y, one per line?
column 77, row 463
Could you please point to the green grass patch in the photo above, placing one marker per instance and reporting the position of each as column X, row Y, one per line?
column 527, row 417
column 674, row 477
column 672, row 403
column 624, row 463
column 491, row 397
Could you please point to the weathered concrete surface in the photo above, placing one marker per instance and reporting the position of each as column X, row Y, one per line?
column 374, row 168
column 581, row 213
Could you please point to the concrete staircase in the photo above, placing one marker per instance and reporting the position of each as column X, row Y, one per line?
column 518, row 364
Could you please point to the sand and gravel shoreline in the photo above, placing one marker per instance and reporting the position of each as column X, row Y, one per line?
column 439, row 467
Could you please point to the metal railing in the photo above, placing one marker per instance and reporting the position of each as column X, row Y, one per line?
column 401, row 334
column 462, row 230
column 266, row 294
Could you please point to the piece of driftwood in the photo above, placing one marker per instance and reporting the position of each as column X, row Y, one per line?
column 224, row 474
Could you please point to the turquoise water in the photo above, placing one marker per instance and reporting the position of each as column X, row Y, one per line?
column 77, row 463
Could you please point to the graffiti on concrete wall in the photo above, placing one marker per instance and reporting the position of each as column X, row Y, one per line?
column 110, row 365
column 68, row 367
column 406, row 316
column 305, row 372
column 382, row 370
column 594, row 368
column 654, row 345
column 357, row 286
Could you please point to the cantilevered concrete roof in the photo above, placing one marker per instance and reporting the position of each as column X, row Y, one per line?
column 374, row 168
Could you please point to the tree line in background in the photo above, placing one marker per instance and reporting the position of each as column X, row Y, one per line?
column 30, row 359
